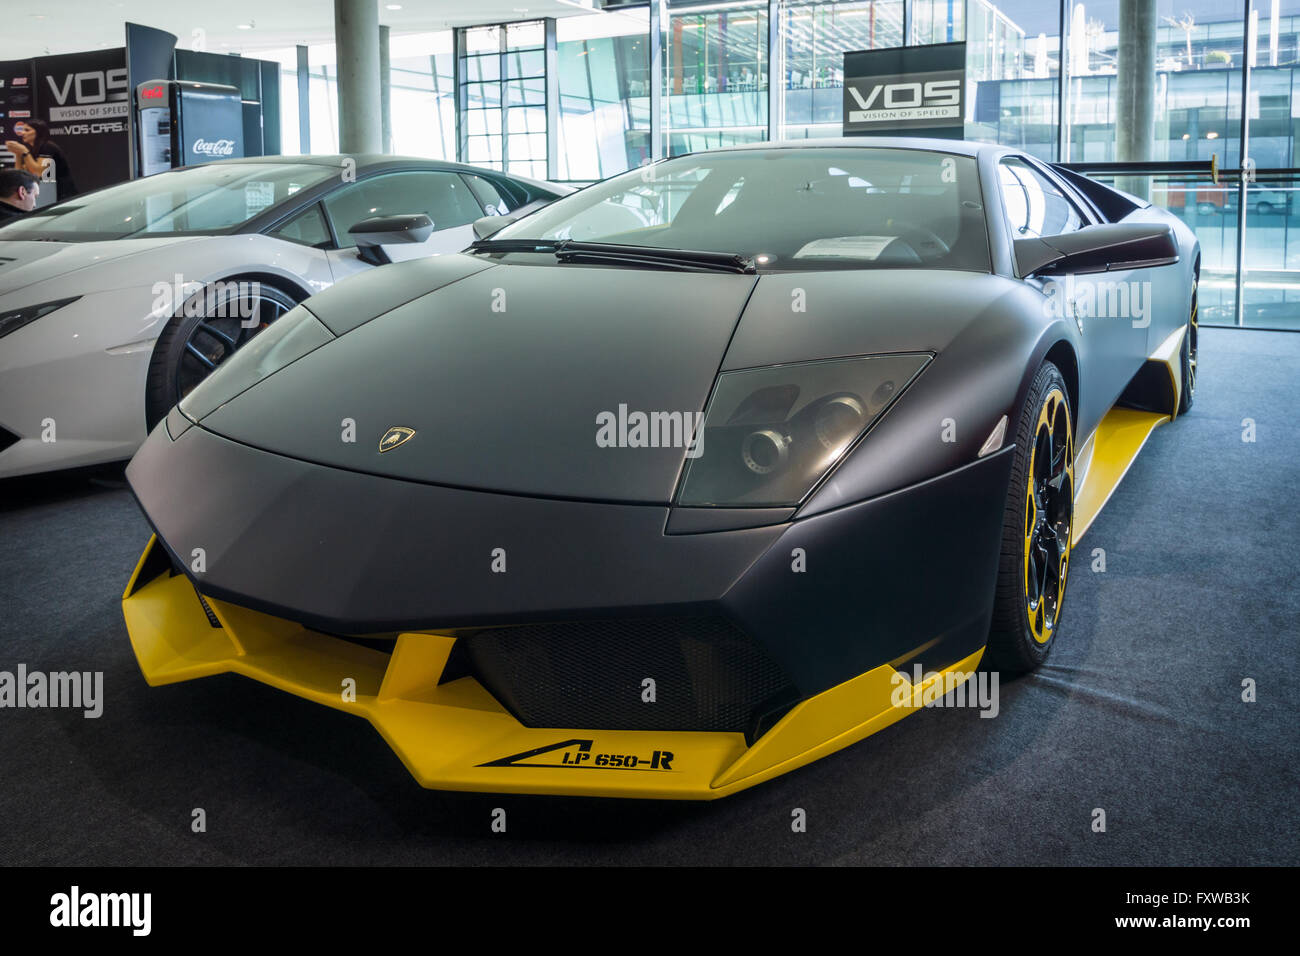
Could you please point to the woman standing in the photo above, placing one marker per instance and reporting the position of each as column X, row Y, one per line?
column 34, row 150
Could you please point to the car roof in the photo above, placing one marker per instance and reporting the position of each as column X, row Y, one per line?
column 362, row 161
column 371, row 162
column 958, row 147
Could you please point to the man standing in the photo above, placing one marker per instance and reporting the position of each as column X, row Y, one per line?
column 18, row 192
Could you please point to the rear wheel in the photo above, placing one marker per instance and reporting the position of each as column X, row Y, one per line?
column 211, row 326
column 1039, row 519
column 1188, row 358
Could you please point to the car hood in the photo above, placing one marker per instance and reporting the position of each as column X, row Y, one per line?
column 503, row 376
column 24, row 262
column 505, row 372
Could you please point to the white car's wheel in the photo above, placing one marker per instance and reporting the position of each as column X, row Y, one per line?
column 210, row 327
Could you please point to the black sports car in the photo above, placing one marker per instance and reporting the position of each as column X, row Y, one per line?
column 683, row 481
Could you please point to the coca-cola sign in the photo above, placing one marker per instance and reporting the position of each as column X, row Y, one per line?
column 216, row 147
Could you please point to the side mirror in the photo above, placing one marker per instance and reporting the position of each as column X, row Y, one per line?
column 1107, row 247
column 372, row 235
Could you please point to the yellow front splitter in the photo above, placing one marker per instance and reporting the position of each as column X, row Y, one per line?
column 456, row 736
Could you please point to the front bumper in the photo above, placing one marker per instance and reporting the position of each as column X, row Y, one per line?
column 72, row 383
column 456, row 736
column 289, row 554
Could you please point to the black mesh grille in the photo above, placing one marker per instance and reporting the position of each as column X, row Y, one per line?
column 708, row 675
column 212, row 618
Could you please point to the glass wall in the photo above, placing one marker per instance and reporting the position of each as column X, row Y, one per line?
column 323, row 98
column 715, row 63
column 816, row 34
column 1013, row 60
column 480, row 96
column 604, row 66
column 503, row 97
column 423, row 95
column 1270, row 290
column 525, row 99
column 1044, row 76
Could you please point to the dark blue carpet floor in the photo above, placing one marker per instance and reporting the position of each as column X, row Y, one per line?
column 1139, row 712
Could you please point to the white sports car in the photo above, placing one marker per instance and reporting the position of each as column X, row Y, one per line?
column 115, row 304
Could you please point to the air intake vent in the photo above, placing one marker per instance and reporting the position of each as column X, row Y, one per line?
column 707, row 674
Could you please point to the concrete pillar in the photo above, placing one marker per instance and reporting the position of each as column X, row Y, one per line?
column 304, row 101
column 356, row 43
column 385, row 90
column 657, row 18
column 551, row 48
column 1136, row 89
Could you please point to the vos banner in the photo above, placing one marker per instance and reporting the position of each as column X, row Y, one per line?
column 77, row 104
column 908, row 91
column 84, row 97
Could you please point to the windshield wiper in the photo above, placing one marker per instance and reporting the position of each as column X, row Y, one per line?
column 515, row 245
column 687, row 260
column 613, row 253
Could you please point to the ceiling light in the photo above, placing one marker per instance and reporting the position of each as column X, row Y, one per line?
column 392, row 6
column 1211, row 135
column 244, row 26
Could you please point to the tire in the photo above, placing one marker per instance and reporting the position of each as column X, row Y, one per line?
column 1263, row 208
column 206, row 330
column 1036, row 529
column 1188, row 358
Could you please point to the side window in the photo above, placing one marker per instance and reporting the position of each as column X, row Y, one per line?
column 1035, row 206
column 443, row 197
column 307, row 228
column 495, row 201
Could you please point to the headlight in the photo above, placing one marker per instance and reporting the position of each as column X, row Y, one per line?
column 12, row 321
column 770, row 434
column 288, row 339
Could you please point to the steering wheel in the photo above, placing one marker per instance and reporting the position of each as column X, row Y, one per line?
column 924, row 242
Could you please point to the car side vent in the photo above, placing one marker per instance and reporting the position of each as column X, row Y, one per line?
column 212, row 618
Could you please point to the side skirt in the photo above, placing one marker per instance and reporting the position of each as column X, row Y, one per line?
column 1104, row 459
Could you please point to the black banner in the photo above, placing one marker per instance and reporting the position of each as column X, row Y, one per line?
column 150, row 55
column 906, row 91
column 903, row 907
column 84, row 98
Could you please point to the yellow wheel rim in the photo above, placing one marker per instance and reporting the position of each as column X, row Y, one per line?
column 1049, row 514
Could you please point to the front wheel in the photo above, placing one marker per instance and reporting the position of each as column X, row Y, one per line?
column 1039, row 518
column 207, row 329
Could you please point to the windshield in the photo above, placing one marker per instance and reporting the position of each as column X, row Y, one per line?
column 788, row 209
column 202, row 200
